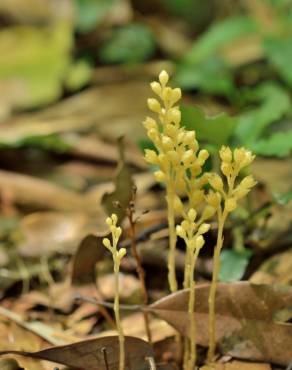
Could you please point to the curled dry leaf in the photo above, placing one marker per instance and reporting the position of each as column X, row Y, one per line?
column 89, row 252
column 248, row 319
column 90, row 354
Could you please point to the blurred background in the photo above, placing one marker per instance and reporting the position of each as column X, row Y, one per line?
column 74, row 77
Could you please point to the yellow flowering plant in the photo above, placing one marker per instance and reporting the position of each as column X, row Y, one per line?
column 117, row 255
column 224, row 198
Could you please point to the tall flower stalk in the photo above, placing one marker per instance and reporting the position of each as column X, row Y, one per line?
column 224, row 199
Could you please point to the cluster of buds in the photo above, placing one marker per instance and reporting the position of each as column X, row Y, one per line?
column 116, row 232
column 231, row 165
column 178, row 156
column 191, row 232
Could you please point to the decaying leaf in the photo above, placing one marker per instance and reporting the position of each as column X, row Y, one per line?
column 89, row 252
column 246, row 319
column 91, row 354
column 123, row 187
column 237, row 365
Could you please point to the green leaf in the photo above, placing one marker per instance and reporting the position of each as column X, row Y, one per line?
column 35, row 61
column 278, row 144
column 128, row 44
column 211, row 76
column 79, row 74
column 283, row 198
column 90, row 13
column 219, row 35
column 145, row 143
column 215, row 130
column 233, row 264
column 274, row 103
column 279, row 53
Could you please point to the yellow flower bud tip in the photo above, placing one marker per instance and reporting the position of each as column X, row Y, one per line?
column 151, row 156
column 200, row 241
column 225, row 154
column 230, row 204
column 248, row 182
column 190, row 137
column 167, row 142
column 121, row 253
column 204, row 228
column 163, row 77
column 154, row 105
column 159, row 176
column 203, row 155
column 226, row 169
column 192, row 214
column 150, row 123
column 106, row 242
column 175, row 115
column 180, row 231
column 118, row 232
column 216, row 182
column 188, row 156
column 175, row 95
column 109, row 221
column 156, row 88
column 114, row 218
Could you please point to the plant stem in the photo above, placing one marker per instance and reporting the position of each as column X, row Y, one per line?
column 140, row 272
column 172, row 239
column 212, row 294
column 191, row 309
column 118, row 320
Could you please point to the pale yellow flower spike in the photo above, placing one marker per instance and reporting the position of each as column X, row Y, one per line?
column 177, row 157
column 225, row 202
column 117, row 255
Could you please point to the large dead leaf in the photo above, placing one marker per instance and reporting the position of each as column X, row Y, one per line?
column 237, row 365
column 89, row 354
column 246, row 319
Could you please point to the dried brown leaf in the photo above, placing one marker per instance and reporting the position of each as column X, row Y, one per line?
column 89, row 354
column 246, row 319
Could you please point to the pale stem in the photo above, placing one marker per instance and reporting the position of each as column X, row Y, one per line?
column 172, row 239
column 212, row 294
column 191, row 309
column 118, row 320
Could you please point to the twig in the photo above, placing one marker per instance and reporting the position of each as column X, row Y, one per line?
column 94, row 301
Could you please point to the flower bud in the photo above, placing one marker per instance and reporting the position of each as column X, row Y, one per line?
column 213, row 199
column 106, row 242
column 248, row 182
column 118, row 232
column 204, row 228
column 121, row 253
column 150, row 123
column 226, row 169
column 163, row 77
column 203, row 156
column 215, row 181
column 154, row 105
column 155, row 86
column 173, row 157
column 175, row 95
column 160, row 176
column 109, row 221
column 239, row 155
column 180, row 232
column 151, row 156
column 200, row 241
column 170, row 130
column 175, row 115
column 190, row 137
column 192, row 214
column 187, row 157
column 167, row 143
column 225, row 154
column 230, row 204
